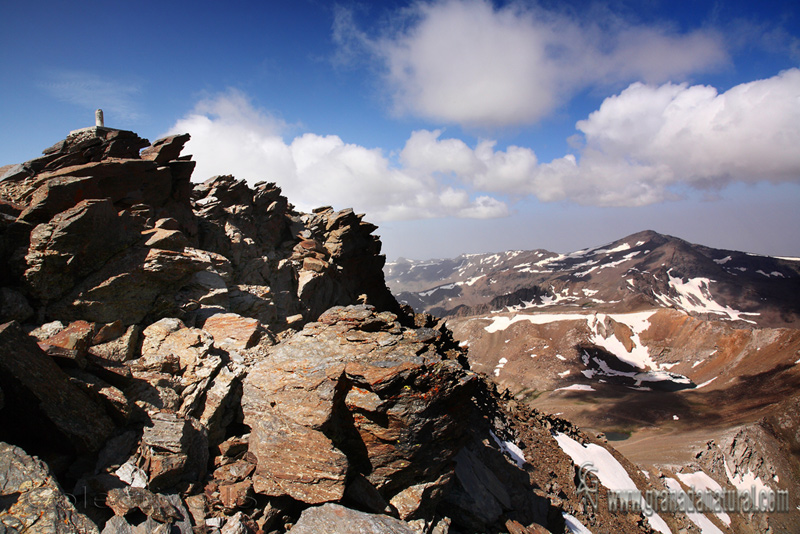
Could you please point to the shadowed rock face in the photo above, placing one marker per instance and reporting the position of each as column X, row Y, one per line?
column 41, row 402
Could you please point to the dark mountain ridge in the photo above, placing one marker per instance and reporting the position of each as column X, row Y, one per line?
column 642, row 270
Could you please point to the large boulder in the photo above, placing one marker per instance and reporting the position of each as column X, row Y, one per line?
column 355, row 393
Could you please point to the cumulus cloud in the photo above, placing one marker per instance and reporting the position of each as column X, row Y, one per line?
column 647, row 144
column 467, row 62
column 231, row 136
column 649, row 140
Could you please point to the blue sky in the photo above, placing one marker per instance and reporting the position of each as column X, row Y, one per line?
column 457, row 126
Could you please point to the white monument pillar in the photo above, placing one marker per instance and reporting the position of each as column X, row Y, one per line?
column 98, row 118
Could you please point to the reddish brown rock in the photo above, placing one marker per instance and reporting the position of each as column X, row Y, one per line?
column 176, row 449
column 165, row 239
column 295, row 460
column 236, row 494
column 108, row 332
column 314, row 264
column 171, row 336
column 121, row 349
column 111, row 398
column 165, row 149
column 76, row 336
column 235, row 471
column 124, row 500
column 347, row 385
column 233, row 332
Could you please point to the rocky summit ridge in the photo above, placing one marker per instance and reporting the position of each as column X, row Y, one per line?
column 180, row 357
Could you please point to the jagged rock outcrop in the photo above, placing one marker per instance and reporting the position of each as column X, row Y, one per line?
column 207, row 359
column 365, row 396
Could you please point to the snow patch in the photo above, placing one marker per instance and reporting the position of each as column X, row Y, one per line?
column 620, row 248
column 499, row 366
column 694, row 295
column 638, row 356
column 702, row 482
column 576, row 387
column 471, row 281
column 707, row 382
column 703, row 522
column 609, row 471
column 744, row 482
column 510, row 449
column 573, row 525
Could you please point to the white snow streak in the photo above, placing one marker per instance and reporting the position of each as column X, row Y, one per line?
column 576, row 387
column 705, row 524
column 510, row 449
column 609, row 472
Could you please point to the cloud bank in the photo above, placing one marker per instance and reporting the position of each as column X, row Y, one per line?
column 466, row 62
column 647, row 144
column 231, row 136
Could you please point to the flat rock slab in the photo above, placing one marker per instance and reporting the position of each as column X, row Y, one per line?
column 232, row 331
column 335, row 518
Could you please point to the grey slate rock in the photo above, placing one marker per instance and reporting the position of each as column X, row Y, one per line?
column 335, row 518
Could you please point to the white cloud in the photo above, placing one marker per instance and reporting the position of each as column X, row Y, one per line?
column 642, row 146
column 648, row 139
column 231, row 136
column 645, row 145
column 118, row 98
column 466, row 62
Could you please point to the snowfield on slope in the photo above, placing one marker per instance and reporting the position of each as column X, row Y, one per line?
column 694, row 295
column 609, row 472
column 638, row 356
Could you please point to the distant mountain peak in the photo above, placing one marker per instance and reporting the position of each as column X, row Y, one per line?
column 644, row 269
